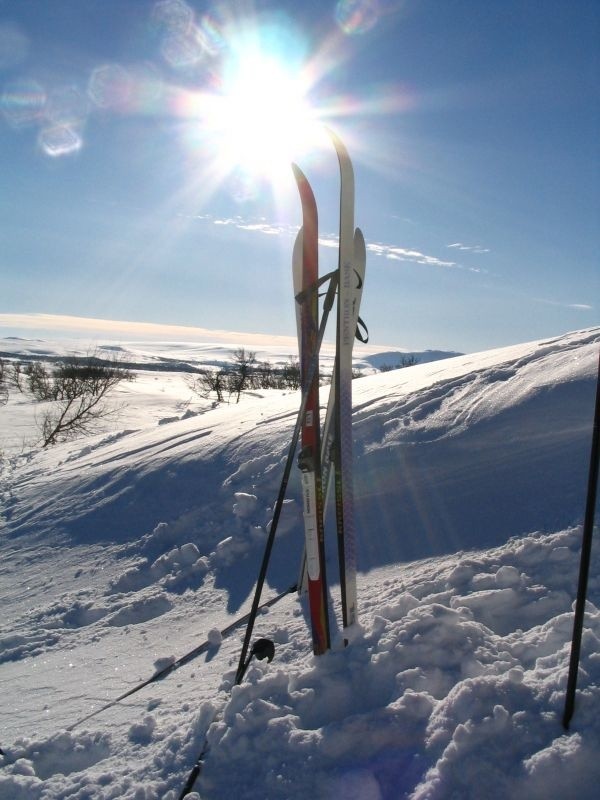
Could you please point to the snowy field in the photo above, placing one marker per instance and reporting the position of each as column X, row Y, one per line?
column 124, row 550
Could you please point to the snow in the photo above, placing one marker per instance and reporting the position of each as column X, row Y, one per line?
column 125, row 550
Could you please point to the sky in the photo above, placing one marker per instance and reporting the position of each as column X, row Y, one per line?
column 145, row 152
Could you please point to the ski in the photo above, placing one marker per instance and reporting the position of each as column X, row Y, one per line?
column 343, row 451
column 306, row 282
column 327, row 448
column 313, row 367
column 185, row 659
column 327, row 439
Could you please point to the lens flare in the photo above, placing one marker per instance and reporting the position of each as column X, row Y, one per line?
column 23, row 102
column 186, row 43
column 60, row 140
column 246, row 92
column 174, row 16
column 14, row 45
column 357, row 16
column 66, row 105
column 110, row 86
column 211, row 34
column 182, row 50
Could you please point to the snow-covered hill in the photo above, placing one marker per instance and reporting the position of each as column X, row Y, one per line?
column 392, row 359
column 125, row 549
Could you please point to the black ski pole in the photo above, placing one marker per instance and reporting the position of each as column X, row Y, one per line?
column 584, row 566
column 161, row 674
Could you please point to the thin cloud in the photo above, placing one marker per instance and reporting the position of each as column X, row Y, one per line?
column 391, row 252
column 468, row 248
column 394, row 253
column 328, row 240
column 252, row 225
column 574, row 306
column 261, row 227
column 325, row 240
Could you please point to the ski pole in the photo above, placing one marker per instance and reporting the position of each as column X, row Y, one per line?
column 584, row 565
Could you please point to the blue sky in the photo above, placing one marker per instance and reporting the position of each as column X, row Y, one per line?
column 473, row 127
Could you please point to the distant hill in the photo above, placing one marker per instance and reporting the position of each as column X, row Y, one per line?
column 397, row 358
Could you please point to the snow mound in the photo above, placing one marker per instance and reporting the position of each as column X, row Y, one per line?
column 134, row 547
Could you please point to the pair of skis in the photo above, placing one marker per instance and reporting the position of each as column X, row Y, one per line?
column 331, row 451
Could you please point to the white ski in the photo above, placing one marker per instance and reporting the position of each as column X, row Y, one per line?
column 327, row 438
column 342, row 445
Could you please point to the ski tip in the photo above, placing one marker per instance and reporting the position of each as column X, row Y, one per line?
column 298, row 174
column 331, row 133
column 337, row 142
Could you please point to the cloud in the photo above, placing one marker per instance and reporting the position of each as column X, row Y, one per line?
column 391, row 252
column 262, row 227
column 254, row 226
column 121, row 329
column 468, row 248
column 328, row 240
column 395, row 253
column 574, row 306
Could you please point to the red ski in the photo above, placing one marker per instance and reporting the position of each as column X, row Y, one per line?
column 305, row 270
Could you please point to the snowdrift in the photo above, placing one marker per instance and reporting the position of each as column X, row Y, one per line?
column 124, row 550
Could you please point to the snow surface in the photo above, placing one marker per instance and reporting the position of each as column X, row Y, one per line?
column 123, row 551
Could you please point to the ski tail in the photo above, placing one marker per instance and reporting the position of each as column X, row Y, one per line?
column 306, row 283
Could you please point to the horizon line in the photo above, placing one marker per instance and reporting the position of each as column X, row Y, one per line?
column 71, row 324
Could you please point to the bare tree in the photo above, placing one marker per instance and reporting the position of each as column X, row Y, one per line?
column 291, row 373
column 245, row 373
column 3, row 383
column 265, row 376
column 405, row 361
column 78, row 389
column 39, row 381
column 408, row 361
column 18, row 376
column 240, row 375
column 208, row 381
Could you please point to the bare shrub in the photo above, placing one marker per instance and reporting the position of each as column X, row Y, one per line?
column 78, row 389
column 245, row 374
column 39, row 381
column 405, row 361
column 242, row 372
column 17, row 376
column 291, row 374
column 3, row 383
column 207, row 382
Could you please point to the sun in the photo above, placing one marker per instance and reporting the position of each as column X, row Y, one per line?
column 257, row 117
column 264, row 115
column 264, row 105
